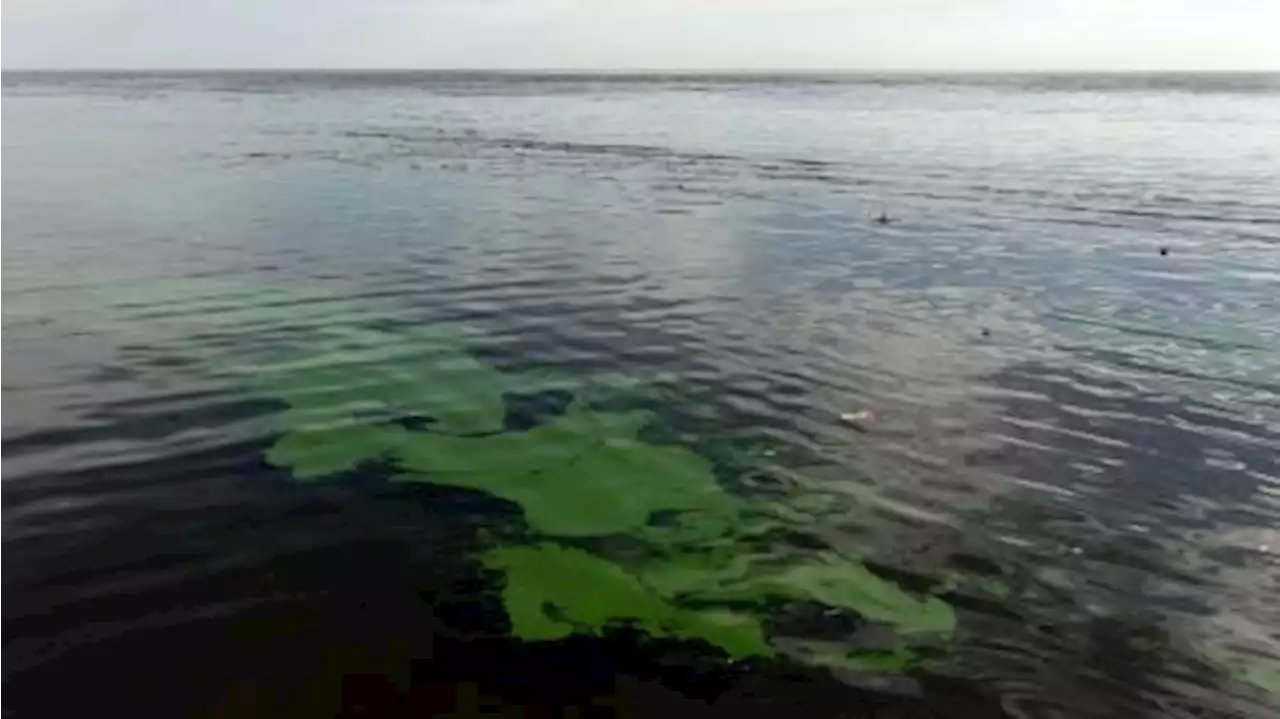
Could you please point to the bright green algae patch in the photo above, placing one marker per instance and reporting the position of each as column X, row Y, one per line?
column 326, row 451
column 420, row 402
column 383, row 375
column 837, row 582
column 553, row 591
column 580, row 475
column 825, row 578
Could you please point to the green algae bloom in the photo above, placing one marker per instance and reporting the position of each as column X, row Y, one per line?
column 552, row 592
column 325, row 451
column 418, row 401
column 581, row 475
column 826, row 578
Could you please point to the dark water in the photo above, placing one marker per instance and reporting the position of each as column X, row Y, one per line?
column 1079, row 433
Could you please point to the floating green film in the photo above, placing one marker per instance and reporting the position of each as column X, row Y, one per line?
column 422, row 403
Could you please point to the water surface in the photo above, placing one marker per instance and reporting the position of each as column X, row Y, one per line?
column 1076, row 439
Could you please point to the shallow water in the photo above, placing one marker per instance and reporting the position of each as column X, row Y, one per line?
column 1076, row 438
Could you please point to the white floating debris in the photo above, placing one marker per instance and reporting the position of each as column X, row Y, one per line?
column 861, row 420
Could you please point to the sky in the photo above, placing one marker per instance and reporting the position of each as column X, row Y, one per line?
column 645, row 34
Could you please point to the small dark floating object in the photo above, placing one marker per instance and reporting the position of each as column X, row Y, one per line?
column 1164, row 251
column 986, row 332
column 883, row 219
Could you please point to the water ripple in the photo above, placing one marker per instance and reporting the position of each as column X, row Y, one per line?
column 1073, row 437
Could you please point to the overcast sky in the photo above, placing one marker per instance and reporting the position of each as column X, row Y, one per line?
column 640, row 34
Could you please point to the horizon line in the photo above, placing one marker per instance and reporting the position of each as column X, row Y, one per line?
column 670, row 71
